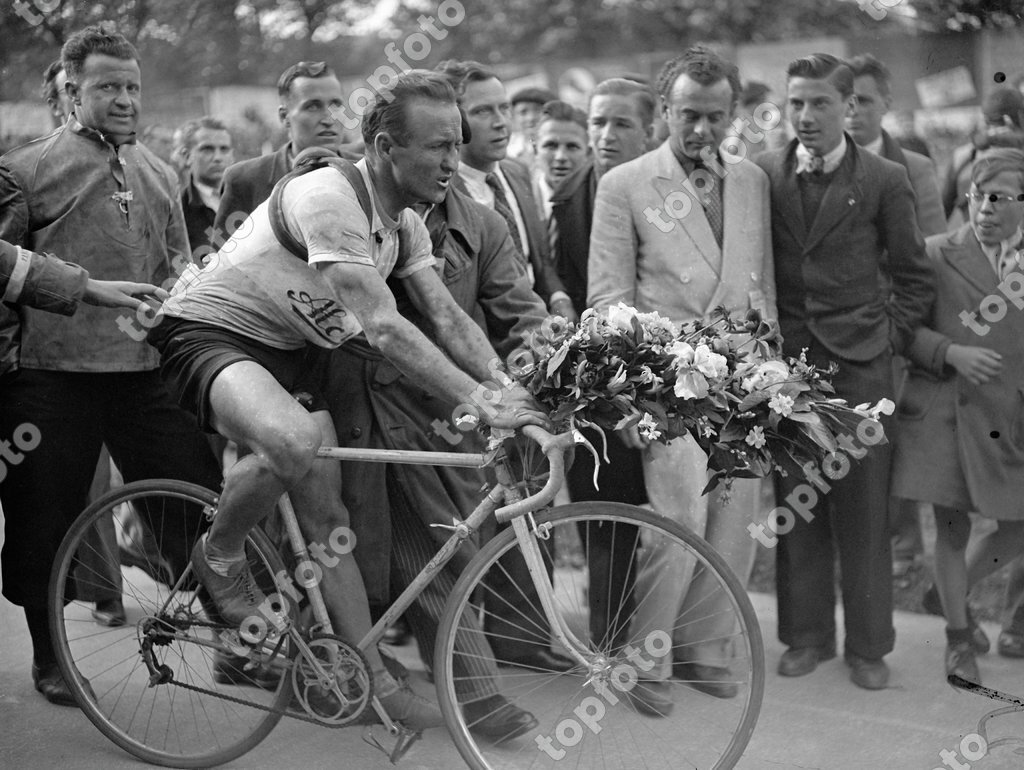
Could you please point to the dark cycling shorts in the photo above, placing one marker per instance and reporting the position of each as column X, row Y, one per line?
column 193, row 353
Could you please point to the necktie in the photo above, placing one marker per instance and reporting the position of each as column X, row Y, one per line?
column 815, row 164
column 502, row 207
column 711, row 199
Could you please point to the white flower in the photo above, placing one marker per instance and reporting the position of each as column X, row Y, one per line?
column 620, row 316
column 646, row 374
column 781, row 404
column 619, row 378
column 767, row 374
column 885, row 406
column 708, row 363
column 648, row 427
column 756, row 437
column 690, row 385
column 682, row 353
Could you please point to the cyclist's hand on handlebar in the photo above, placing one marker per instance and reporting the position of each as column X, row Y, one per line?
column 517, row 408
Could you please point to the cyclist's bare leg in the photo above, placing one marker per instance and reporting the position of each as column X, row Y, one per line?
column 251, row 408
column 324, row 522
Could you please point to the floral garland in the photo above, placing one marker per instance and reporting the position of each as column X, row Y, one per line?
column 723, row 382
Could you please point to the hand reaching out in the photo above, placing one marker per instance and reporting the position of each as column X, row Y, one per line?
column 120, row 293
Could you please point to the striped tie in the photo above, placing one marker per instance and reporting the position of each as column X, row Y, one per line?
column 501, row 205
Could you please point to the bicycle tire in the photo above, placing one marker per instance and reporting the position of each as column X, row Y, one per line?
column 701, row 731
column 164, row 724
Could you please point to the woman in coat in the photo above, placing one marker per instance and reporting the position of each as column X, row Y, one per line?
column 961, row 430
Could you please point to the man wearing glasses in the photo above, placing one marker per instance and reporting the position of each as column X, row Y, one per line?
column 961, row 427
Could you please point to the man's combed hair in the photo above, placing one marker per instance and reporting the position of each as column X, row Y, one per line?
column 189, row 130
column 460, row 73
column 992, row 162
column 642, row 95
column 563, row 111
column 387, row 114
column 704, row 66
column 49, row 89
column 97, row 39
column 303, row 69
column 824, row 66
column 866, row 64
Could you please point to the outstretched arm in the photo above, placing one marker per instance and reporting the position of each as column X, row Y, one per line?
column 367, row 295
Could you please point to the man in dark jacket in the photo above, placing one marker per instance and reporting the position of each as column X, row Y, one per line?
column 852, row 282
column 208, row 151
column 88, row 381
column 310, row 97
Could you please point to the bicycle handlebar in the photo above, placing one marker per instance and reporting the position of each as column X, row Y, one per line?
column 554, row 448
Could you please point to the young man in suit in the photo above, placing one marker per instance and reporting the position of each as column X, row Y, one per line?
column 672, row 235
column 853, row 283
column 500, row 183
column 310, row 96
column 873, row 97
column 207, row 150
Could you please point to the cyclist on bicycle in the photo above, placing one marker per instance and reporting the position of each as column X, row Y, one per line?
column 234, row 336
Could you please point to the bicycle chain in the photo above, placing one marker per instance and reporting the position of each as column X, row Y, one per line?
column 241, row 701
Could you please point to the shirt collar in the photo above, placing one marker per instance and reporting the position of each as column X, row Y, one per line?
column 832, row 159
column 92, row 133
column 876, row 145
column 1007, row 248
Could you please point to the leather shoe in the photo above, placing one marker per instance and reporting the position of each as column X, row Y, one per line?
column 652, row 697
column 109, row 612
column 398, row 634
column 540, row 659
column 498, row 720
column 799, row 661
column 932, row 604
column 232, row 669
column 713, row 680
column 871, row 674
column 960, row 661
column 1010, row 645
column 51, row 683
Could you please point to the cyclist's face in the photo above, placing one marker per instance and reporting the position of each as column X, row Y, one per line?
column 424, row 164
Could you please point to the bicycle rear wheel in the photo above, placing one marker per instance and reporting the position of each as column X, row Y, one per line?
column 196, row 715
column 589, row 716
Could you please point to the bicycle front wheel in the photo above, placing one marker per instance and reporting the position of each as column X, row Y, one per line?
column 167, row 686
column 646, row 690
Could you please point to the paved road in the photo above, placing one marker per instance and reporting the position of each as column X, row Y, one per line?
column 819, row 721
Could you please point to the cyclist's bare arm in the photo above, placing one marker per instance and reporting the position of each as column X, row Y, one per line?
column 368, row 296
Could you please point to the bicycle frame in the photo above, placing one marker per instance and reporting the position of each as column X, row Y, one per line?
column 553, row 447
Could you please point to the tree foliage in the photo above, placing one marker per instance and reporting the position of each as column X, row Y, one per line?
column 966, row 15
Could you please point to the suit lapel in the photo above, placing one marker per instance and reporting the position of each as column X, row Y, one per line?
column 964, row 255
column 670, row 178
column 788, row 204
column 737, row 212
column 841, row 198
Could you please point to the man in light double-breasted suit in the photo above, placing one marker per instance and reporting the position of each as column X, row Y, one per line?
column 682, row 230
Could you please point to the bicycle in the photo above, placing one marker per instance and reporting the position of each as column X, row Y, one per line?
column 151, row 687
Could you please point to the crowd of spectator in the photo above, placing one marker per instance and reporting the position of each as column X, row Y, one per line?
column 461, row 218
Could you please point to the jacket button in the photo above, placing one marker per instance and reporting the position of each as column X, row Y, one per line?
column 357, row 432
column 685, row 278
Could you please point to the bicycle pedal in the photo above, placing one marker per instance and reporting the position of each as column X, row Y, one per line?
column 406, row 738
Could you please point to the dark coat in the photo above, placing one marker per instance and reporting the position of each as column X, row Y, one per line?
column 199, row 221
column 246, row 185
column 830, row 278
column 572, row 207
column 962, row 444
column 249, row 182
column 374, row 405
